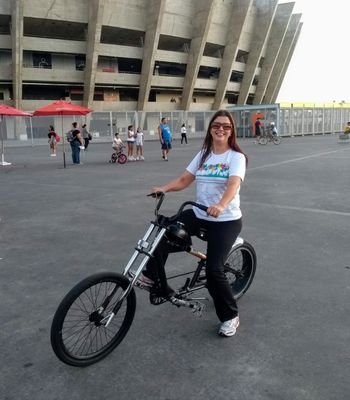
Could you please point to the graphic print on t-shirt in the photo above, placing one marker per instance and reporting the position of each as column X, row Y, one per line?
column 220, row 170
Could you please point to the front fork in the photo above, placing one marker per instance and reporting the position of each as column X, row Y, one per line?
column 144, row 248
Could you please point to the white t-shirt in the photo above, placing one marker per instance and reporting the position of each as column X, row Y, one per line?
column 139, row 139
column 211, row 180
column 183, row 129
column 131, row 136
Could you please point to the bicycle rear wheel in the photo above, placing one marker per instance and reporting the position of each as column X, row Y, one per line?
column 262, row 140
column 79, row 335
column 240, row 268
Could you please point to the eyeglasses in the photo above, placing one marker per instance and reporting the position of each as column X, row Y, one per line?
column 216, row 126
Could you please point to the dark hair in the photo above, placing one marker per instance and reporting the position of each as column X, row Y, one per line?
column 74, row 124
column 232, row 140
column 51, row 127
column 83, row 126
column 163, row 119
column 130, row 127
column 116, row 134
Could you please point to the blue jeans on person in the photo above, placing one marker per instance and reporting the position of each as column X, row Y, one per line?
column 220, row 238
column 75, row 151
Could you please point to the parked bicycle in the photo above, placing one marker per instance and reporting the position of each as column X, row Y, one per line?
column 94, row 317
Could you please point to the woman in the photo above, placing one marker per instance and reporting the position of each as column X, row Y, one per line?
column 131, row 141
column 52, row 141
column 219, row 168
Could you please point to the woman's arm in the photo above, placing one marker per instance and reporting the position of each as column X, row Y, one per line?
column 232, row 186
column 180, row 183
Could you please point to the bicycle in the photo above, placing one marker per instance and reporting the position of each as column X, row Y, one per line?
column 269, row 137
column 96, row 314
column 119, row 156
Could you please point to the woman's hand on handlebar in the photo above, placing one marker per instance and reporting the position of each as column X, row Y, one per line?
column 215, row 210
column 158, row 189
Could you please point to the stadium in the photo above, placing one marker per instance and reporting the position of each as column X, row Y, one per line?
column 145, row 55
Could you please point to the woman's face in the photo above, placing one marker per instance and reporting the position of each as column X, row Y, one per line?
column 221, row 130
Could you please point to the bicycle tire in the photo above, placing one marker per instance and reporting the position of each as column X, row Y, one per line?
column 113, row 158
column 262, row 140
column 78, row 335
column 122, row 158
column 240, row 268
column 276, row 140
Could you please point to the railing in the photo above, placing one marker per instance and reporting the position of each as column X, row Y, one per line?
column 289, row 121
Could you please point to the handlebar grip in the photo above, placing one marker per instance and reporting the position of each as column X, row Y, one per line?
column 156, row 194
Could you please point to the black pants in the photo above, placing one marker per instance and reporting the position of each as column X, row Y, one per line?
column 183, row 137
column 221, row 236
column 86, row 140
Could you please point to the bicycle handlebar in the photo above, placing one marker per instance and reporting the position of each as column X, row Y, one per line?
column 161, row 195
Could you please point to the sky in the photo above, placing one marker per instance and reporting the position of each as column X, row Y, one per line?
column 319, row 70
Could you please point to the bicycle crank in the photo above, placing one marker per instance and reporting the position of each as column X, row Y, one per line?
column 196, row 307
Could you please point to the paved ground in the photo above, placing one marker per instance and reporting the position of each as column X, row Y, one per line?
column 59, row 225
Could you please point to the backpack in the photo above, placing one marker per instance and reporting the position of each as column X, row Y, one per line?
column 70, row 136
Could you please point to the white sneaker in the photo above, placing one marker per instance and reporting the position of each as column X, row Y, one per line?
column 53, row 155
column 142, row 158
column 137, row 158
column 229, row 328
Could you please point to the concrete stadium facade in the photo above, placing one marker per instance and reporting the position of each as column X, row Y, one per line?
column 145, row 55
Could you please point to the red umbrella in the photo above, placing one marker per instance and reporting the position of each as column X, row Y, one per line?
column 13, row 112
column 62, row 107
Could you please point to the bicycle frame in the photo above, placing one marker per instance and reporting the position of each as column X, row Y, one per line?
column 146, row 247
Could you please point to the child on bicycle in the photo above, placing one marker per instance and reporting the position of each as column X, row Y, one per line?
column 117, row 143
column 219, row 168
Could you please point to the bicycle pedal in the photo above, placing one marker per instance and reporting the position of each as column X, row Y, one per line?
column 198, row 308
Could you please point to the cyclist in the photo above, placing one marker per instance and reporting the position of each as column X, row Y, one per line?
column 273, row 129
column 219, row 168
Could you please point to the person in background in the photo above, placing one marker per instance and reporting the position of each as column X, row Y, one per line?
column 347, row 129
column 183, row 133
column 165, row 137
column 273, row 128
column 139, row 145
column 258, row 130
column 52, row 135
column 117, row 142
column 131, row 141
column 218, row 169
column 76, row 142
column 86, row 136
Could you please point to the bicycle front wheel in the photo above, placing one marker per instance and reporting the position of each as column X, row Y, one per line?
column 79, row 335
column 276, row 140
column 122, row 158
column 240, row 268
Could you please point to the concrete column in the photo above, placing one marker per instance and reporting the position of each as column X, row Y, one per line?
column 277, row 33
column 281, row 62
column 240, row 11
column 17, row 51
column 265, row 12
column 201, row 25
column 96, row 9
column 154, row 19
column 285, row 67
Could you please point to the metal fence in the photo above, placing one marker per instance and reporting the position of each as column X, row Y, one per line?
column 103, row 125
